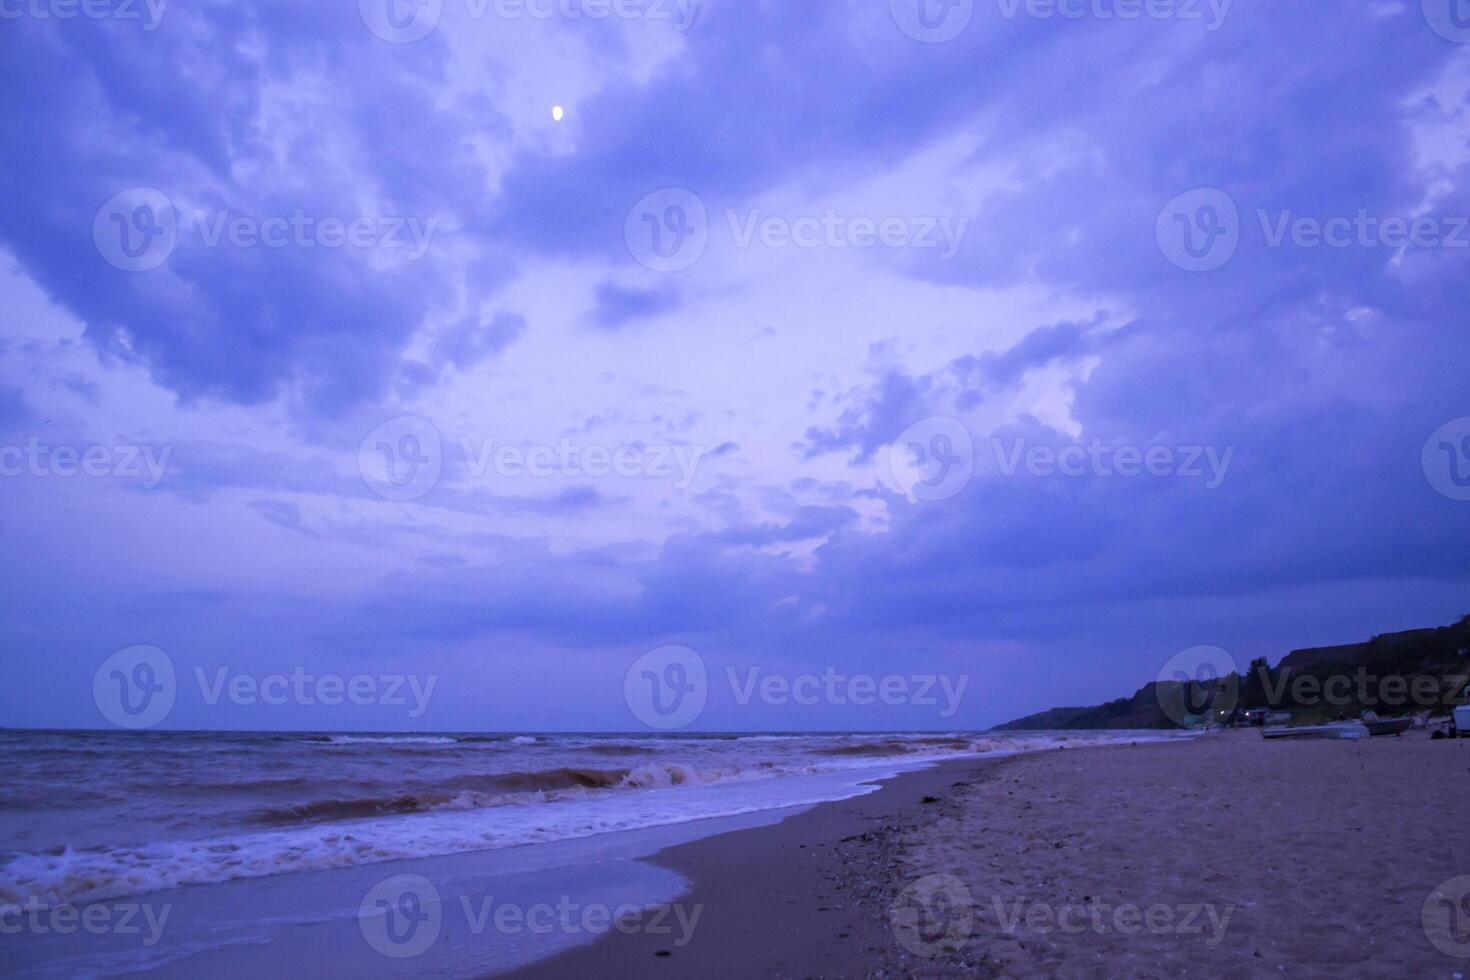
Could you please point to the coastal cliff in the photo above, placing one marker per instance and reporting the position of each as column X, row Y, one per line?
column 1393, row 673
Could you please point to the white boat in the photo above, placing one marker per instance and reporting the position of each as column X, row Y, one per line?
column 1331, row 729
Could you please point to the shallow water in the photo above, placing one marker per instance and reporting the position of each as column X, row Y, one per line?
column 88, row 815
column 254, row 849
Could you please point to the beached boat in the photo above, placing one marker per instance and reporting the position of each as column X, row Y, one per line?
column 1332, row 729
column 1387, row 726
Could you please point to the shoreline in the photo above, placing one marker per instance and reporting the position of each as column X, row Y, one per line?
column 1236, row 856
column 439, row 914
column 805, row 897
column 1224, row 855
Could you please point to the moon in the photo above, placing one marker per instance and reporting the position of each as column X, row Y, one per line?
column 556, row 113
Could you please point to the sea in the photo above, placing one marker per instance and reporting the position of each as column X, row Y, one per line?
column 258, row 848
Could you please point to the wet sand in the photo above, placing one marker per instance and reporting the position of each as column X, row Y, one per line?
column 1226, row 856
column 807, row 897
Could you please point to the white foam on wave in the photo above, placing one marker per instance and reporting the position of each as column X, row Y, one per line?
column 391, row 740
column 78, row 876
column 649, row 795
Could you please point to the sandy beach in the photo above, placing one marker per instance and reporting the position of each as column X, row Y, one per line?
column 1221, row 855
column 389, row 855
column 1225, row 856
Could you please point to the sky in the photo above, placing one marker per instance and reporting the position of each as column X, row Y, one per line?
column 718, row 364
